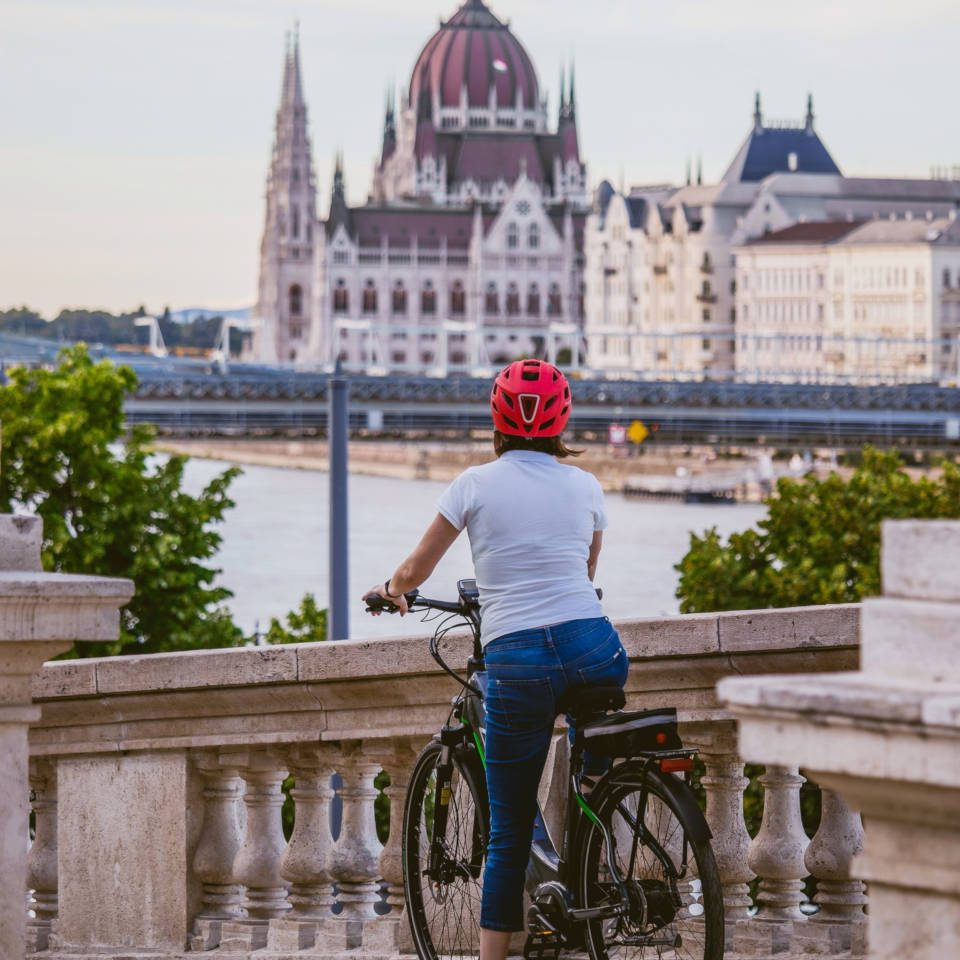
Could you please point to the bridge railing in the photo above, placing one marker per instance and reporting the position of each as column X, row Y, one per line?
column 161, row 822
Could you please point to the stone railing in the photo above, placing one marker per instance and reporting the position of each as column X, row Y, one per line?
column 157, row 789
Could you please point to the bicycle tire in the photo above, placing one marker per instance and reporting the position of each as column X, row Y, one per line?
column 445, row 918
column 696, row 929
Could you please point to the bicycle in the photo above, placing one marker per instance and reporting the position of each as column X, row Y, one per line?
column 634, row 874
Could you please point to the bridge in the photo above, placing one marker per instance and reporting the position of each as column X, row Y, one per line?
column 263, row 401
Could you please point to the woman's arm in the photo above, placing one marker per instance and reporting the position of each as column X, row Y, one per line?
column 594, row 555
column 420, row 564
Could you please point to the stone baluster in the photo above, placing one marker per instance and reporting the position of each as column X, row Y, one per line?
column 839, row 925
column 724, row 784
column 42, row 859
column 304, row 865
column 221, row 837
column 354, row 859
column 777, row 852
column 257, row 863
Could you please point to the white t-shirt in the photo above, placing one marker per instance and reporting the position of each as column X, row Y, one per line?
column 530, row 520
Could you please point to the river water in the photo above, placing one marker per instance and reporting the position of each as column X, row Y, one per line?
column 275, row 545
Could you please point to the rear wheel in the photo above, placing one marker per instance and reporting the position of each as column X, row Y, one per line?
column 673, row 890
column 444, row 911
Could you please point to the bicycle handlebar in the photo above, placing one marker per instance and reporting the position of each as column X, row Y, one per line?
column 378, row 604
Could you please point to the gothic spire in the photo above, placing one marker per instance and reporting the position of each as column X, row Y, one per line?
column 572, row 99
column 808, row 126
column 292, row 96
column 563, row 94
column 757, row 114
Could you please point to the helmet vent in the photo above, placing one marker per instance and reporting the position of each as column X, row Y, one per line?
column 547, row 424
column 529, row 405
column 550, row 402
column 510, row 423
column 507, row 399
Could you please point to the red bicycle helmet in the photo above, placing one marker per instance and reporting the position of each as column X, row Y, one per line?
column 530, row 398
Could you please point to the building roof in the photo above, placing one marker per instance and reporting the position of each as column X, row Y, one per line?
column 476, row 52
column 821, row 231
column 944, row 230
column 780, row 148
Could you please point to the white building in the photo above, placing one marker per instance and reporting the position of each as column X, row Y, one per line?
column 660, row 273
column 853, row 301
column 469, row 251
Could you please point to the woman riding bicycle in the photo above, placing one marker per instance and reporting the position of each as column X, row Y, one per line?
column 535, row 527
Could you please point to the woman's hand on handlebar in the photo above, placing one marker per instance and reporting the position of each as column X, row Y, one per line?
column 390, row 604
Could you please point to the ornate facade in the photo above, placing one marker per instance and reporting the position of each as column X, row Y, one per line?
column 470, row 249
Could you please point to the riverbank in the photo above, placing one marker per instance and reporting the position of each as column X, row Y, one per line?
column 616, row 470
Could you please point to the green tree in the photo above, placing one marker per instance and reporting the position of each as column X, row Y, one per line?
column 307, row 624
column 110, row 508
column 820, row 540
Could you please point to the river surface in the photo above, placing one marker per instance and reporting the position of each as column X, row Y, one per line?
column 275, row 544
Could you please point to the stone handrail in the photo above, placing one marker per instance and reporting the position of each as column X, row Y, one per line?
column 157, row 790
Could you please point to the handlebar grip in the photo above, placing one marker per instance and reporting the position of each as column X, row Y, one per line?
column 378, row 604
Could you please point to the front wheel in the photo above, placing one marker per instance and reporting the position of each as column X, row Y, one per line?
column 671, row 904
column 444, row 910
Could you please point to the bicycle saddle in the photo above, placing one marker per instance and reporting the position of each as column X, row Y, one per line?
column 587, row 703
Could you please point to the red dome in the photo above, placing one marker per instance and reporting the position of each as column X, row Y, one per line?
column 475, row 49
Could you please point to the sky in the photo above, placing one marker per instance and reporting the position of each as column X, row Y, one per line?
column 136, row 134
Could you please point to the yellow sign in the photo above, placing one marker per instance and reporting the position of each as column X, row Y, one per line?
column 638, row 432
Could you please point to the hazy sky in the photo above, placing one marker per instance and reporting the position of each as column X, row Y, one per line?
column 136, row 133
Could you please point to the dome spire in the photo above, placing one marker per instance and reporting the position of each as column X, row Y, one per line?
column 808, row 126
column 757, row 114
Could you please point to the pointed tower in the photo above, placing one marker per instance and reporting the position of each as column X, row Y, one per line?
column 285, row 296
column 571, row 173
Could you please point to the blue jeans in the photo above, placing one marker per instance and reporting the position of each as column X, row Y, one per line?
column 528, row 671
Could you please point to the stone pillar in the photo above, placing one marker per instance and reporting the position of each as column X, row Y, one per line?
column 41, row 615
column 304, row 865
column 257, row 863
column 220, row 839
column 776, row 854
column 42, row 861
column 724, row 784
column 355, row 858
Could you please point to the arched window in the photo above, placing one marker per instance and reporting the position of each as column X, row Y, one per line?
column 458, row 299
column 533, row 236
column 369, row 302
column 554, row 301
column 707, row 291
column 295, row 222
column 513, row 236
column 492, row 299
column 341, row 297
column 533, row 301
column 399, row 299
column 428, row 299
column 513, row 300
column 296, row 300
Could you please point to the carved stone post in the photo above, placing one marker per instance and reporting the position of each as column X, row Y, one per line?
column 777, row 852
column 724, row 784
column 304, row 865
column 42, row 859
column 257, row 863
column 837, row 927
column 354, row 860
column 220, row 840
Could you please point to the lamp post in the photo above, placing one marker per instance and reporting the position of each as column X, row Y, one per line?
column 337, row 432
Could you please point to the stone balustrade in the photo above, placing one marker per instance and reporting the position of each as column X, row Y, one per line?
column 157, row 786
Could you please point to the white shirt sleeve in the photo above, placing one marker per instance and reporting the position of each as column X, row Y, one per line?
column 599, row 511
column 455, row 502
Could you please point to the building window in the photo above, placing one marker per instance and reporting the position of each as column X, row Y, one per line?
column 296, row 300
column 341, row 297
column 513, row 236
column 399, row 303
column 946, row 277
column 369, row 302
column 399, row 356
column 705, row 343
column 458, row 299
column 533, row 301
column 513, row 300
column 533, row 236
column 554, row 301
column 428, row 299
column 706, row 290
column 733, row 315
column 706, row 314
column 295, row 222
column 492, row 300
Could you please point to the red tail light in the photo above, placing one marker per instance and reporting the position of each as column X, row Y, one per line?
column 679, row 765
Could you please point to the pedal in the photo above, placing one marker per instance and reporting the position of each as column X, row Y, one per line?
column 542, row 946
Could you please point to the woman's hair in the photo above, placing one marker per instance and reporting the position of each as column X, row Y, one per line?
column 502, row 442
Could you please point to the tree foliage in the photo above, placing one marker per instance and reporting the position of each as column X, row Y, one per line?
column 110, row 508
column 820, row 540
column 307, row 624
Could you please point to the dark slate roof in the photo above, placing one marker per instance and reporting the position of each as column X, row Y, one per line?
column 399, row 225
column 602, row 197
column 767, row 150
column 821, row 231
column 637, row 211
